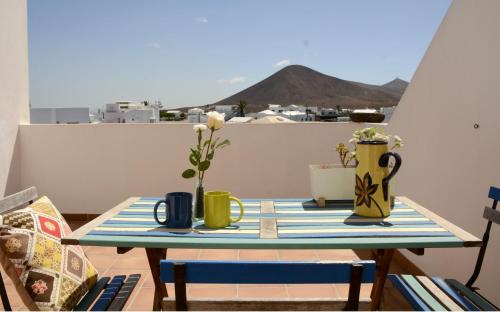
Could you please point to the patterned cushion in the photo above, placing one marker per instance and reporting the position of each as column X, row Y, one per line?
column 46, row 274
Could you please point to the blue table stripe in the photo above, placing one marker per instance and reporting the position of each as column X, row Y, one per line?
column 172, row 234
column 361, row 226
column 352, row 224
column 365, row 234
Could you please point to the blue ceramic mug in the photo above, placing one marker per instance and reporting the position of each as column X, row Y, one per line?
column 178, row 210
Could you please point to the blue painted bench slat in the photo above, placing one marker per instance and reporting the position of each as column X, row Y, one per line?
column 254, row 272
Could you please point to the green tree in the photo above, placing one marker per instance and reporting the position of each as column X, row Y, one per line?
column 241, row 108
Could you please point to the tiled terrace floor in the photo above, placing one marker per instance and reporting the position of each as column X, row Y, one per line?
column 109, row 263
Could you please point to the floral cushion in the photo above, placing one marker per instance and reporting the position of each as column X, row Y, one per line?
column 47, row 275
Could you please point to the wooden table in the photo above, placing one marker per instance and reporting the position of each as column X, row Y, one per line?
column 277, row 224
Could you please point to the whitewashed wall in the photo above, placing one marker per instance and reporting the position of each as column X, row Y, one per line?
column 13, row 88
column 448, row 165
column 90, row 168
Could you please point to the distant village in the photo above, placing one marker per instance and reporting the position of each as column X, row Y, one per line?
column 146, row 112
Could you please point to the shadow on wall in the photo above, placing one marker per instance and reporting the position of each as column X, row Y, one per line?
column 13, row 183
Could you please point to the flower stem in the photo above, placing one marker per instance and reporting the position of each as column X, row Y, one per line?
column 206, row 154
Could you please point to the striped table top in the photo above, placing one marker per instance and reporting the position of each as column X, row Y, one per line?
column 277, row 223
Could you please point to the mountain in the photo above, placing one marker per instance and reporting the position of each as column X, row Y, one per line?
column 296, row 84
column 396, row 85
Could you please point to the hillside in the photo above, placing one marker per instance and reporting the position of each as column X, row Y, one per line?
column 296, row 84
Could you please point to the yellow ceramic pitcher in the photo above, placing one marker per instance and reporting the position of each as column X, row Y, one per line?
column 372, row 179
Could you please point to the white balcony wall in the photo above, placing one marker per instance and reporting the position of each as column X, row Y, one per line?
column 448, row 165
column 14, row 99
column 91, row 168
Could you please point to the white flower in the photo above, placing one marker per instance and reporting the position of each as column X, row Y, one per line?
column 215, row 120
column 380, row 137
column 199, row 127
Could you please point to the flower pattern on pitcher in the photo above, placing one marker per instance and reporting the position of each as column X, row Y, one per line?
column 364, row 190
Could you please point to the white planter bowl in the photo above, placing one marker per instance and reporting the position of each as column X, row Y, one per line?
column 332, row 182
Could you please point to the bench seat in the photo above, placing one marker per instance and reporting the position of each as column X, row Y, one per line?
column 438, row 294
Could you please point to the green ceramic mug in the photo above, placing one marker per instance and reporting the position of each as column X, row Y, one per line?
column 218, row 209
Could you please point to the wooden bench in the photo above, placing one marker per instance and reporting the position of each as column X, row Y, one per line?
column 437, row 294
column 252, row 272
column 108, row 293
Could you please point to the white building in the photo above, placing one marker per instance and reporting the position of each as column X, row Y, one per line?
column 296, row 115
column 131, row 112
column 292, row 112
column 277, row 108
column 196, row 115
column 266, row 113
column 176, row 113
column 60, row 115
column 225, row 109
column 241, row 120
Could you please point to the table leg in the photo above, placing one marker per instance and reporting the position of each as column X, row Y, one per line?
column 154, row 257
column 384, row 258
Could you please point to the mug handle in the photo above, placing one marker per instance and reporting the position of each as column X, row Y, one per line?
column 384, row 162
column 156, row 212
column 241, row 208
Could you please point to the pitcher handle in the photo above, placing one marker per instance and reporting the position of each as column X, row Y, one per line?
column 241, row 208
column 156, row 212
column 384, row 162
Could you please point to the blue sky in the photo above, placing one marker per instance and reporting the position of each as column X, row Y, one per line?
column 186, row 52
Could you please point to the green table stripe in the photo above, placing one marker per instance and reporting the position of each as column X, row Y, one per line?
column 297, row 243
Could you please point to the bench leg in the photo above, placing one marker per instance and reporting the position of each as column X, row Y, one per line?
column 384, row 258
column 154, row 257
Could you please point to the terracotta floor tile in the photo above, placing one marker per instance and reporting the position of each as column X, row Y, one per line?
column 212, row 291
column 101, row 262
column 143, row 301
column 343, row 290
column 148, row 280
column 262, row 291
column 111, row 251
column 183, row 254
column 336, row 255
column 218, row 254
column 132, row 261
column 258, row 255
column 298, row 255
column 311, row 291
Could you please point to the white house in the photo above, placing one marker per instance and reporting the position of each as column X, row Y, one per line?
column 196, row 115
column 60, row 115
column 176, row 113
column 225, row 109
column 131, row 112
column 241, row 120
column 296, row 115
column 266, row 113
